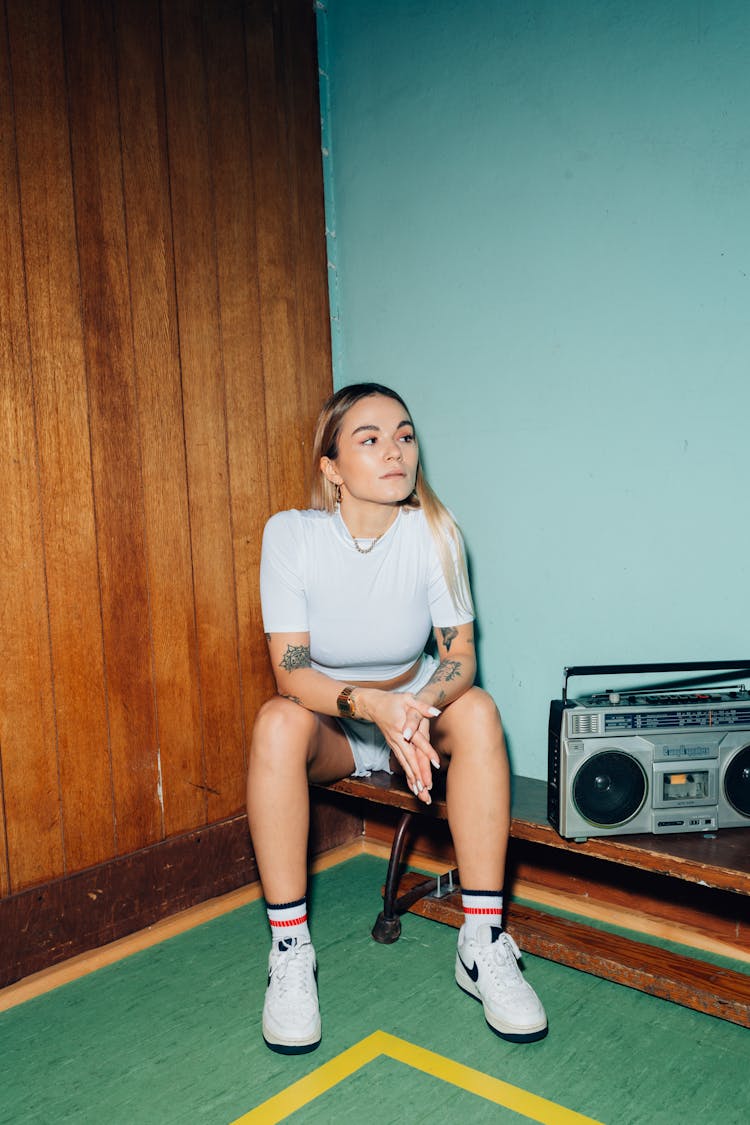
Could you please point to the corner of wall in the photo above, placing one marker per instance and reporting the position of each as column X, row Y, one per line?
column 321, row 18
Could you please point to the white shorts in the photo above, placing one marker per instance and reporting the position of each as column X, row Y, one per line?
column 370, row 750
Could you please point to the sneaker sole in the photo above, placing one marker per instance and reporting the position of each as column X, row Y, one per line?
column 505, row 1031
column 292, row 1048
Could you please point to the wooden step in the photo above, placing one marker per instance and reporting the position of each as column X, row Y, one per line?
column 696, row 984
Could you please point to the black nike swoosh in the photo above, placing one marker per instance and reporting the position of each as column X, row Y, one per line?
column 472, row 972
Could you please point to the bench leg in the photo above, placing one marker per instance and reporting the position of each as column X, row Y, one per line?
column 387, row 928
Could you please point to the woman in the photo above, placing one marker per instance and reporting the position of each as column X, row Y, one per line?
column 350, row 590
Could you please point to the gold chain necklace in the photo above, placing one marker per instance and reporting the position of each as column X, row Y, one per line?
column 366, row 550
column 362, row 550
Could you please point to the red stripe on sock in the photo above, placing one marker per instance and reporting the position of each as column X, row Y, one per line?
column 278, row 924
column 482, row 910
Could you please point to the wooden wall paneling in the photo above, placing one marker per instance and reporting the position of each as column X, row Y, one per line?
column 289, row 425
column 304, row 160
column 163, row 366
column 118, row 486
column 204, row 404
column 28, row 758
column 241, row 334
column 57, row 357
column 160, row 420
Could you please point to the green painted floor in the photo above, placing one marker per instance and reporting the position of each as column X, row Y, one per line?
column 172, row 1035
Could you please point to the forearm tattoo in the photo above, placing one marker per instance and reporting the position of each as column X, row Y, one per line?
column 296, row 656
column 293, row 698
column 446, row 671
column 448, row 635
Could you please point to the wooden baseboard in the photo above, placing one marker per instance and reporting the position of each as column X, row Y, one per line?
column 87, row 962
column 48, row 924
column 84, row 963
column 159, row 891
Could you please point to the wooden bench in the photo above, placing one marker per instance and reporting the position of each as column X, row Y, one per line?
column 715, row 872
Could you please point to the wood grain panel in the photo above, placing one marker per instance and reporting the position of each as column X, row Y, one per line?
column 306, row 203
column 287, row 461
column 237, row 257
column 97, row 176
column 164, row 352
column 57, row 356
column 159, row 398
column 204, row 405
column 28, row 759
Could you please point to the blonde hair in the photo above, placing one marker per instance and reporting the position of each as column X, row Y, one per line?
column 443, row 527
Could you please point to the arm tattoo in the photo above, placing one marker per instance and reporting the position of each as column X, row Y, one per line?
column 296, row 656
column 446, row 670
column 294, row 698
column 268, row 637
column 449, row 635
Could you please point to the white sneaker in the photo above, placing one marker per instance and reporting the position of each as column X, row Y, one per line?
column 291, row 1016
column 487, row 969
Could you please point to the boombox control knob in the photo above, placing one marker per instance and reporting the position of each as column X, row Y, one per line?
column 614, row 697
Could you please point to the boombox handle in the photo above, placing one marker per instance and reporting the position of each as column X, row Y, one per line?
column 739, row 667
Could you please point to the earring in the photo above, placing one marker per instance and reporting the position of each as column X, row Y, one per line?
column 338, row 493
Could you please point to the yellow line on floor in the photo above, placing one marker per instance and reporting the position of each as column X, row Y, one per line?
column 328, row 1075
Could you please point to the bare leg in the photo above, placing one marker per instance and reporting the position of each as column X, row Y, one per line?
column 478, row 784
column 478, row 787
column 289, row 747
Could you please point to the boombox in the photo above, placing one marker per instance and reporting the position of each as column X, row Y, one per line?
column 671, row 757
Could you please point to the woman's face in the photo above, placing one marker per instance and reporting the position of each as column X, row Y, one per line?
column 378, row 455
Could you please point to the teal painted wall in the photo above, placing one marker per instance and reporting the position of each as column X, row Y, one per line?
column 539, row 233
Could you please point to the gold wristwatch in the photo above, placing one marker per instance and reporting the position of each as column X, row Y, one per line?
column 345, row 704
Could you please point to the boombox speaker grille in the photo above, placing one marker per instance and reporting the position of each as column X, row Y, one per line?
column 610, row 788
column 737, row 782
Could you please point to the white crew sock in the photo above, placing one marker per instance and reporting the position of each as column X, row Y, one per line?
column 481, row 907
column 288, row 920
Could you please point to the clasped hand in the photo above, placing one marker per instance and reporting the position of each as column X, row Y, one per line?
column 404, row 721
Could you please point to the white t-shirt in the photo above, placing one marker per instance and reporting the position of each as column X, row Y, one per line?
column 368, row 616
